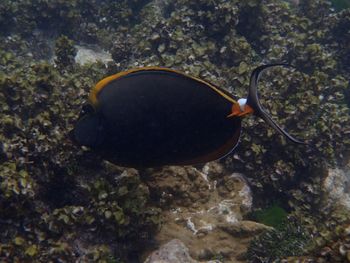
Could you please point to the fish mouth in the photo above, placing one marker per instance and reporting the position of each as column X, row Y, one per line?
column 253, row 100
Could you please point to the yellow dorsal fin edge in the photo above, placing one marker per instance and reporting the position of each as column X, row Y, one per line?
column 102, row 83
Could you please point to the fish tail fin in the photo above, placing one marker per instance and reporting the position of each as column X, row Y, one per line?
column 253, row 100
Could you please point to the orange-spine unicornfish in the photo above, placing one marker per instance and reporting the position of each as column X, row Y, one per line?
column 155, row 116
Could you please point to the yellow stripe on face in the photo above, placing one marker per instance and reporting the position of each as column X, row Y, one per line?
column 102, row 83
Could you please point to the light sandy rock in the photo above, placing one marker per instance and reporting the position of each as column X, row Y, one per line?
column 337, row 186
column 204, row 208
column 89, row 55
column 174, row 251
column 245, row 228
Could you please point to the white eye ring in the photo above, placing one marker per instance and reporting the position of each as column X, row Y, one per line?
column 242, row 103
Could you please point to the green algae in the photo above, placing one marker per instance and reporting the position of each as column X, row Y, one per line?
column 340, row 4
column 273, row 216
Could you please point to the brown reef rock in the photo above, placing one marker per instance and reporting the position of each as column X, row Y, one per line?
column 203, row 209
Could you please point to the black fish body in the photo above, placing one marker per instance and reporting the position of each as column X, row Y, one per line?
column 154, row 116
column 157, row 117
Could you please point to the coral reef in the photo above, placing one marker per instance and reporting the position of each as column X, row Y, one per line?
column 202, row 207
column 56, row 201
column 60, row 202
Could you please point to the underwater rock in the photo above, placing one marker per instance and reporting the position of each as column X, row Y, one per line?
column 275, row 244
column 178, row 186
column 172, row 252
column 200, row 206
column 337, row 186
column 121, row 49
column 89, row 55
column 65, row 52
column 245, row 228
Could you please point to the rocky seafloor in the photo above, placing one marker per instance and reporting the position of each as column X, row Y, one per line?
column 269, row 201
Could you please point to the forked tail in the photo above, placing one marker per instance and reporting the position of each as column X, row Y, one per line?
column 253, row 100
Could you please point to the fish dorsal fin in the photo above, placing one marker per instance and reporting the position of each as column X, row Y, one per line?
column 93, row 97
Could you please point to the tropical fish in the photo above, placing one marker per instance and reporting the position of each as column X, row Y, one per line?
column 153, row 116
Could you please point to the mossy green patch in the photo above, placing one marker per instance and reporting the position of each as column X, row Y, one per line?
column 340, row 4
column 271, row 216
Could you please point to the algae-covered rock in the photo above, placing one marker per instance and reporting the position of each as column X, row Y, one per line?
column 122, row 49
column 65, row 52
column 289, row 239
column 178, row 186
column 60, row 202
column 58, row 193
column 207, row 216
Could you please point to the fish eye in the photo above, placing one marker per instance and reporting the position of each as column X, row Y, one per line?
column 86, row 109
